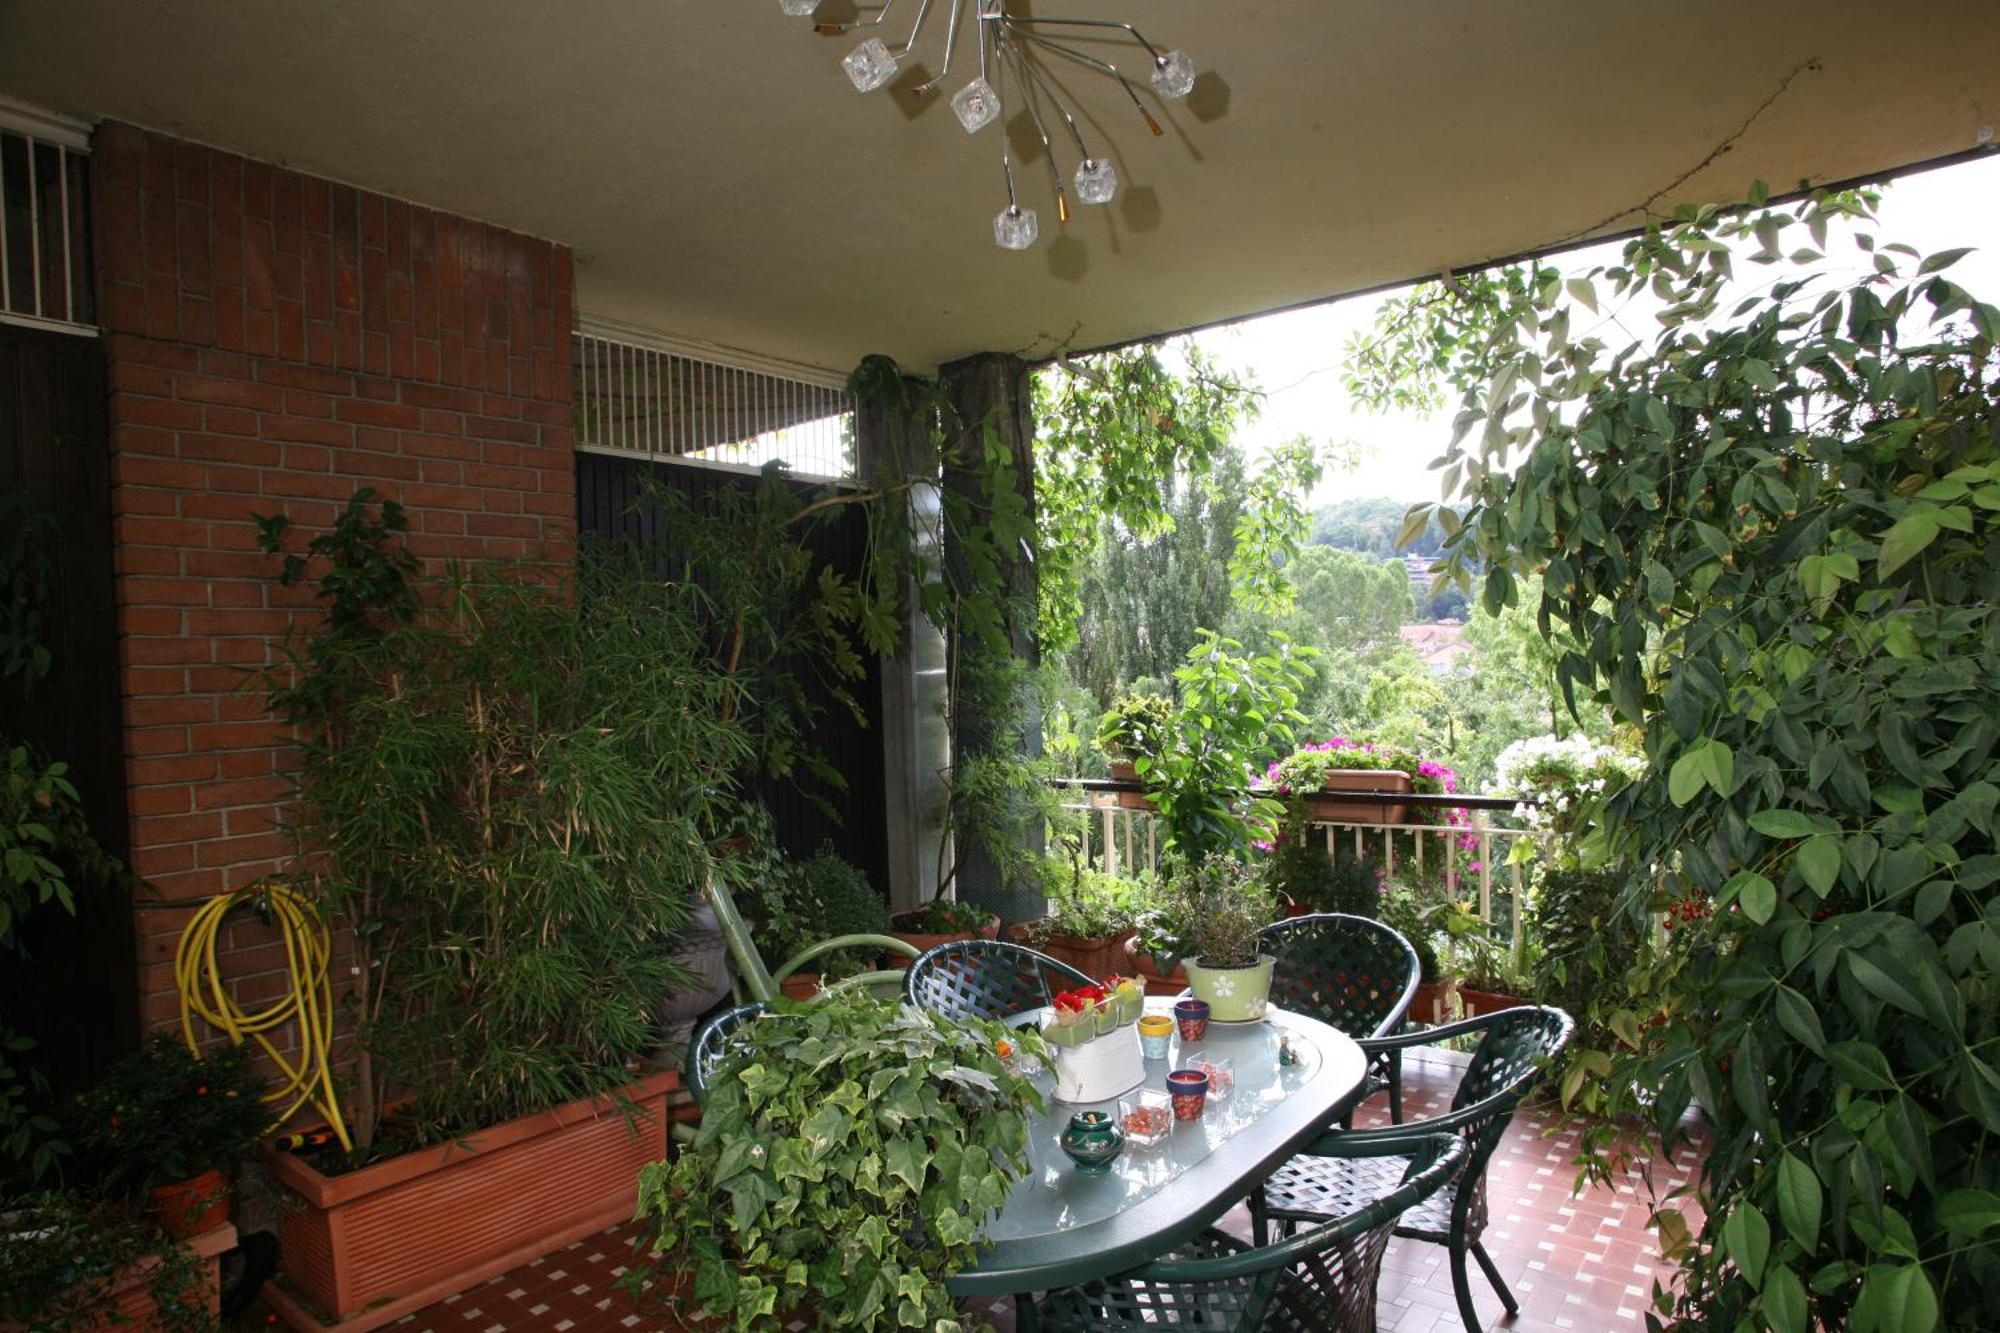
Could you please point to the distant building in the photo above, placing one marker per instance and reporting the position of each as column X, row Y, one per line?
column 1440, row 645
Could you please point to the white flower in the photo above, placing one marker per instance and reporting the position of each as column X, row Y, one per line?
column 1225, row 985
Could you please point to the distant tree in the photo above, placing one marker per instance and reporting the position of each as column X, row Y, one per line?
column 1371, row 526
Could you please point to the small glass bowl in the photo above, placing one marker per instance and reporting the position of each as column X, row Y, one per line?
column 1221, row 1074
column 1146, row 1116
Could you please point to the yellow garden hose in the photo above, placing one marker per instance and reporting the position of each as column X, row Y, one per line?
column 308, row 947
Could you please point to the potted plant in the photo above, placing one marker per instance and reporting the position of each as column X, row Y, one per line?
column 940, row 921
column 1220, row 908
column 1091, row 914
column 171, row 1124
column 1134, row 727
column 823, row 896
column 509, row 801
column 1303, row 875
column 847, row 1155
column 73, row 1264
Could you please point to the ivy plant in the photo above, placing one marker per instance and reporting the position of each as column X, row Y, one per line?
column 1771, row 536
column 849, row 1151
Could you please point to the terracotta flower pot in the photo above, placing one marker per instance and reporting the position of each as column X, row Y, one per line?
column 923, row 941
column 366, row 1248
column 800, row 986
column 1326, row 804
column 190, row 1207
column 1141, row 964
column 1095, row 956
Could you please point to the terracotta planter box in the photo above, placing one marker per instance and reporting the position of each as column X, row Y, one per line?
column 363, row 1249
column 1327, row 804
column 923, row 942
column 1122, row 770
column 128, row 1303
column 1097, row 957
column 1140, row 964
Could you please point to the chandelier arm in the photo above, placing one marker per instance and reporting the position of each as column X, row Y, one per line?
column 917, row 29
column 836, row 29
column 1103, row 65
column 1137, row 36
column 1082, row 148
column 1022, row 75
column 950, row 43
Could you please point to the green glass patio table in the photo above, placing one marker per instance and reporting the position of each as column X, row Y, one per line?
column 1060, row 1227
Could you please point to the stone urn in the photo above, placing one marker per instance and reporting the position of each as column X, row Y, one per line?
column 703, row 951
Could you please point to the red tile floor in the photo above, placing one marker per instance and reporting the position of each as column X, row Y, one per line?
column 1584, row 1263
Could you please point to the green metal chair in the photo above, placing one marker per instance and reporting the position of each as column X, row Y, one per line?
column 759, row 984
column 1353, row 974
column 1320, row 1279
column 1515, row 1046
column 986, row 979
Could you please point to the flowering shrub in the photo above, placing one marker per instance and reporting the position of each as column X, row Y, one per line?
column 1565, row 778
column 1304, row 771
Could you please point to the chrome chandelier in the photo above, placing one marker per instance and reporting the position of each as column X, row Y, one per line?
column 1013, row 49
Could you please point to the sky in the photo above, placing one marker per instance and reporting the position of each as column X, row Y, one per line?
column 1296, row 357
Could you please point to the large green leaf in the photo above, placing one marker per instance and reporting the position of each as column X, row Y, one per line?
column 1747, row 1236
column 1799, row 1196
column 1906, row 539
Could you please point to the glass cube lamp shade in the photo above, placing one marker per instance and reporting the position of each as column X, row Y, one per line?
column 976, row 105
column 1173, row 75
column 869, row 65
column 798, row 9
column 1015, row 228
column 1096, row 180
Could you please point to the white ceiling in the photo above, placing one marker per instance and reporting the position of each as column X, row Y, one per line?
column 721, row 181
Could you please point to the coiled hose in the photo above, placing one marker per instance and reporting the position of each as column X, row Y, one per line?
column 309, row 1002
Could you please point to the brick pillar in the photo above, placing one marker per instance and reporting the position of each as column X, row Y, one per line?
column 275, row 342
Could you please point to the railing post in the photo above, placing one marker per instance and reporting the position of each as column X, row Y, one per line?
column 1485, row 866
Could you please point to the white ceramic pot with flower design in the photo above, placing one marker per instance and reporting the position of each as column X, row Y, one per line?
column 1233, row 994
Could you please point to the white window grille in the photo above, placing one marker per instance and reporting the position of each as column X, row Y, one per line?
column 640, row 400
column 45, row 275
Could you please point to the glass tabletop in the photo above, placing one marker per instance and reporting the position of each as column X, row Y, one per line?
column 1060, row 1225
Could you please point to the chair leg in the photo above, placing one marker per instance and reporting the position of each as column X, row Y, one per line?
column 1492, row 1272
column 1463, row 1290
column 1395, row 1087
column 1024, row 1312
column 1260, row 1221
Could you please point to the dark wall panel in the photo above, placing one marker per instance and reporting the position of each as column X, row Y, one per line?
column 606, row 489
column 75, row 992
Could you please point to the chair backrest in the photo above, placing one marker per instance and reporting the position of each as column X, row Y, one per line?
column 1517, row 1046
column 710, row 1047
column 1323, row 1279
column 1349, row 972
column 986, row 979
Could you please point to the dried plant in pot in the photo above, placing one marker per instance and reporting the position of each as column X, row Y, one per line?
column 1219, row 908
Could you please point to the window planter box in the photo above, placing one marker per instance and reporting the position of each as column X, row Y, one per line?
column 1123, row 770
column 1330, row 804
column 365, row 1248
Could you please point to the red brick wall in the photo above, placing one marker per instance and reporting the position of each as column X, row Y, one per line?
column 275, row 342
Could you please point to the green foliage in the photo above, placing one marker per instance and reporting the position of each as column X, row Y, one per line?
column 945, row 916
column 364, row 573
column 61, row 1254
column 1302, row 870
column 1231, row 710
column 848, row 1152
column 833, row 897
column 1770, row 537
column 509, row 801
column 1217, row 907
column 781, row 629
column 1134, row 725
column 1088, row 904
column 1110, row 428
column 161, row 1116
